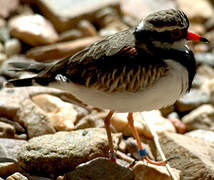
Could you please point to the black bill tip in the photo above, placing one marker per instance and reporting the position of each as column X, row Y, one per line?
column 202, row 39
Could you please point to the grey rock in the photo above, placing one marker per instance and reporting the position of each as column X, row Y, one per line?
column 194, row 157
column 4, row 34
column 67, row 18
column 192, row 100
column 12, row 47
column 63, row 151
column 8, row 156
column 200, row 118
column 100, row 169
column 205, row 58
column 35, row 120
column 91, row 120
column 10, row 147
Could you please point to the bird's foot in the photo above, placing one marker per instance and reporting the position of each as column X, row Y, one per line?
column 144, row 156
column 112, row 156
column 158, row 163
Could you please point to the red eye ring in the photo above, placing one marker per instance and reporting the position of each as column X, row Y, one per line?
column 176, row 34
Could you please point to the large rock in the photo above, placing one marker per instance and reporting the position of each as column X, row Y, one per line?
column 63, row 151
column 60, row 50
column 100, row 169
column 193, row 156
column 34, row 30
column 67, row 13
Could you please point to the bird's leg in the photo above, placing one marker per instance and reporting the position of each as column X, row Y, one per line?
column 108, row 132
column 142, row 151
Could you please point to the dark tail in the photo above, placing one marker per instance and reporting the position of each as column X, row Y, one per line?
column 26, row 82
column 34, row 67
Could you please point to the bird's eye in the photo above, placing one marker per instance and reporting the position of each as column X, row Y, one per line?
column 176, row 34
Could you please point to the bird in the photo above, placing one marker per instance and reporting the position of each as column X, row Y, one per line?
column 142, row 68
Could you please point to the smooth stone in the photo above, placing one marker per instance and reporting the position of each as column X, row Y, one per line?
column 144, row 171
column 63, row 151
column 200, row 118
column 100, row 169
column 33, row 29
column 192, row 156
column 192, row 100
column 67, row 14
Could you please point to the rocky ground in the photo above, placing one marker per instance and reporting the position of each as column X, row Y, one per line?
column 44, row 136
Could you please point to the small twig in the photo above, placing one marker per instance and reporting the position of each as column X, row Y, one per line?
column 157, row 144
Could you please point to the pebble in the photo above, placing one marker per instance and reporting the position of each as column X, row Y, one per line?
column 34, row 30
column 69, row 35
column 64, row 151
column 64, row 19
column 192, row 100
column 132, row 148
column 91, row 120
column 200, row 118
column 205, row 58
column 100, row 169
column 87, row 28
column 60, row 50
column 38, row 121
column 4, row 34
column 61, row 114
column 145, row 171
column 8, row 155
column 3, row 57
column 194, row 157
column 8, row 7
column 120, row 123
column 34, row 119
column 12, row 47
column 6, row 130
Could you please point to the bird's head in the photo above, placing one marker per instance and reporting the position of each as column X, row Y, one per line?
column 166, row 29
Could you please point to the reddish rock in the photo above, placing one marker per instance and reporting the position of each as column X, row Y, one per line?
column 60, row 50
column 34, row 30
column 7, row 7
column 66, row 14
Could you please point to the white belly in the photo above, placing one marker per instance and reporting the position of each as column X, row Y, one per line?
column 162, row 93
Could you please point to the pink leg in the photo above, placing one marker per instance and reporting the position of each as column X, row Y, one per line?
column 108, row 132
column 142, row 150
